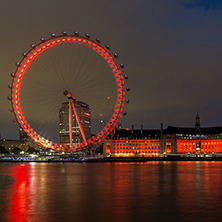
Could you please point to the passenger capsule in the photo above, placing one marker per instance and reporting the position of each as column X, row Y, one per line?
column 115, row 55
column 32, row 46
column 127, row 101
column 125, row 76
column 76, row 33
column 17, row 63
column 124, row 113
column 65, row 92
column 111, row 134
column 118, row 125
column 24, row 53
column 108, row 47
column 53, row 35
column 127, row 88
column 15, row 121
column 42, row 39
column 9, row 98
column 121, row 65
column 87, row 35
column 10, row 86
column 98, row 40
column 64, row 33
column 10, row 109
column 12, row 74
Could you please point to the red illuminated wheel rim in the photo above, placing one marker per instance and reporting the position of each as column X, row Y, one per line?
column 31, row 56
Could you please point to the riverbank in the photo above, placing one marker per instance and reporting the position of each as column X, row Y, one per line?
column 162, row 158
column 120, row 159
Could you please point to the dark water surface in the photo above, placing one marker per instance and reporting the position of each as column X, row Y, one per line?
column 152, row 191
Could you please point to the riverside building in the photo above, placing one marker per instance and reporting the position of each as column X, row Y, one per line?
column 172, row 140
column 84, row 114
column 133, row 143
column 23, row 143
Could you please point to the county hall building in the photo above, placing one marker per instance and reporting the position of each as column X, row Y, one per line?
column 172, row 140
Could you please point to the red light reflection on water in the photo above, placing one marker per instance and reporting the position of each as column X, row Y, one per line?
column 132, row 190
column 121, row 192
column 18, row 196
column 199, row 189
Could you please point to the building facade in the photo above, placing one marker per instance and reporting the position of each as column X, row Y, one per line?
column 172, row 140
column 84, row 114
column 23, row 143
column 132, row 142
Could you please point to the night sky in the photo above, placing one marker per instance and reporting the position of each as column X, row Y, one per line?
column 171, row 49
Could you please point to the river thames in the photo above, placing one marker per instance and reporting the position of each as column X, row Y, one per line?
column 120, row 192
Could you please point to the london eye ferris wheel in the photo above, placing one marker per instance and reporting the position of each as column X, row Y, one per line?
column 67, row 68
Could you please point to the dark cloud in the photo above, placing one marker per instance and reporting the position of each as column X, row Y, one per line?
column 172, row 52
column 206, row 4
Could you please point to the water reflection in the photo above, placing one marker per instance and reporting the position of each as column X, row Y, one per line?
column 152, row 191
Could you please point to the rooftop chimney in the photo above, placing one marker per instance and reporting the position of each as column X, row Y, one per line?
column 141, row 128
column 161, row 130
